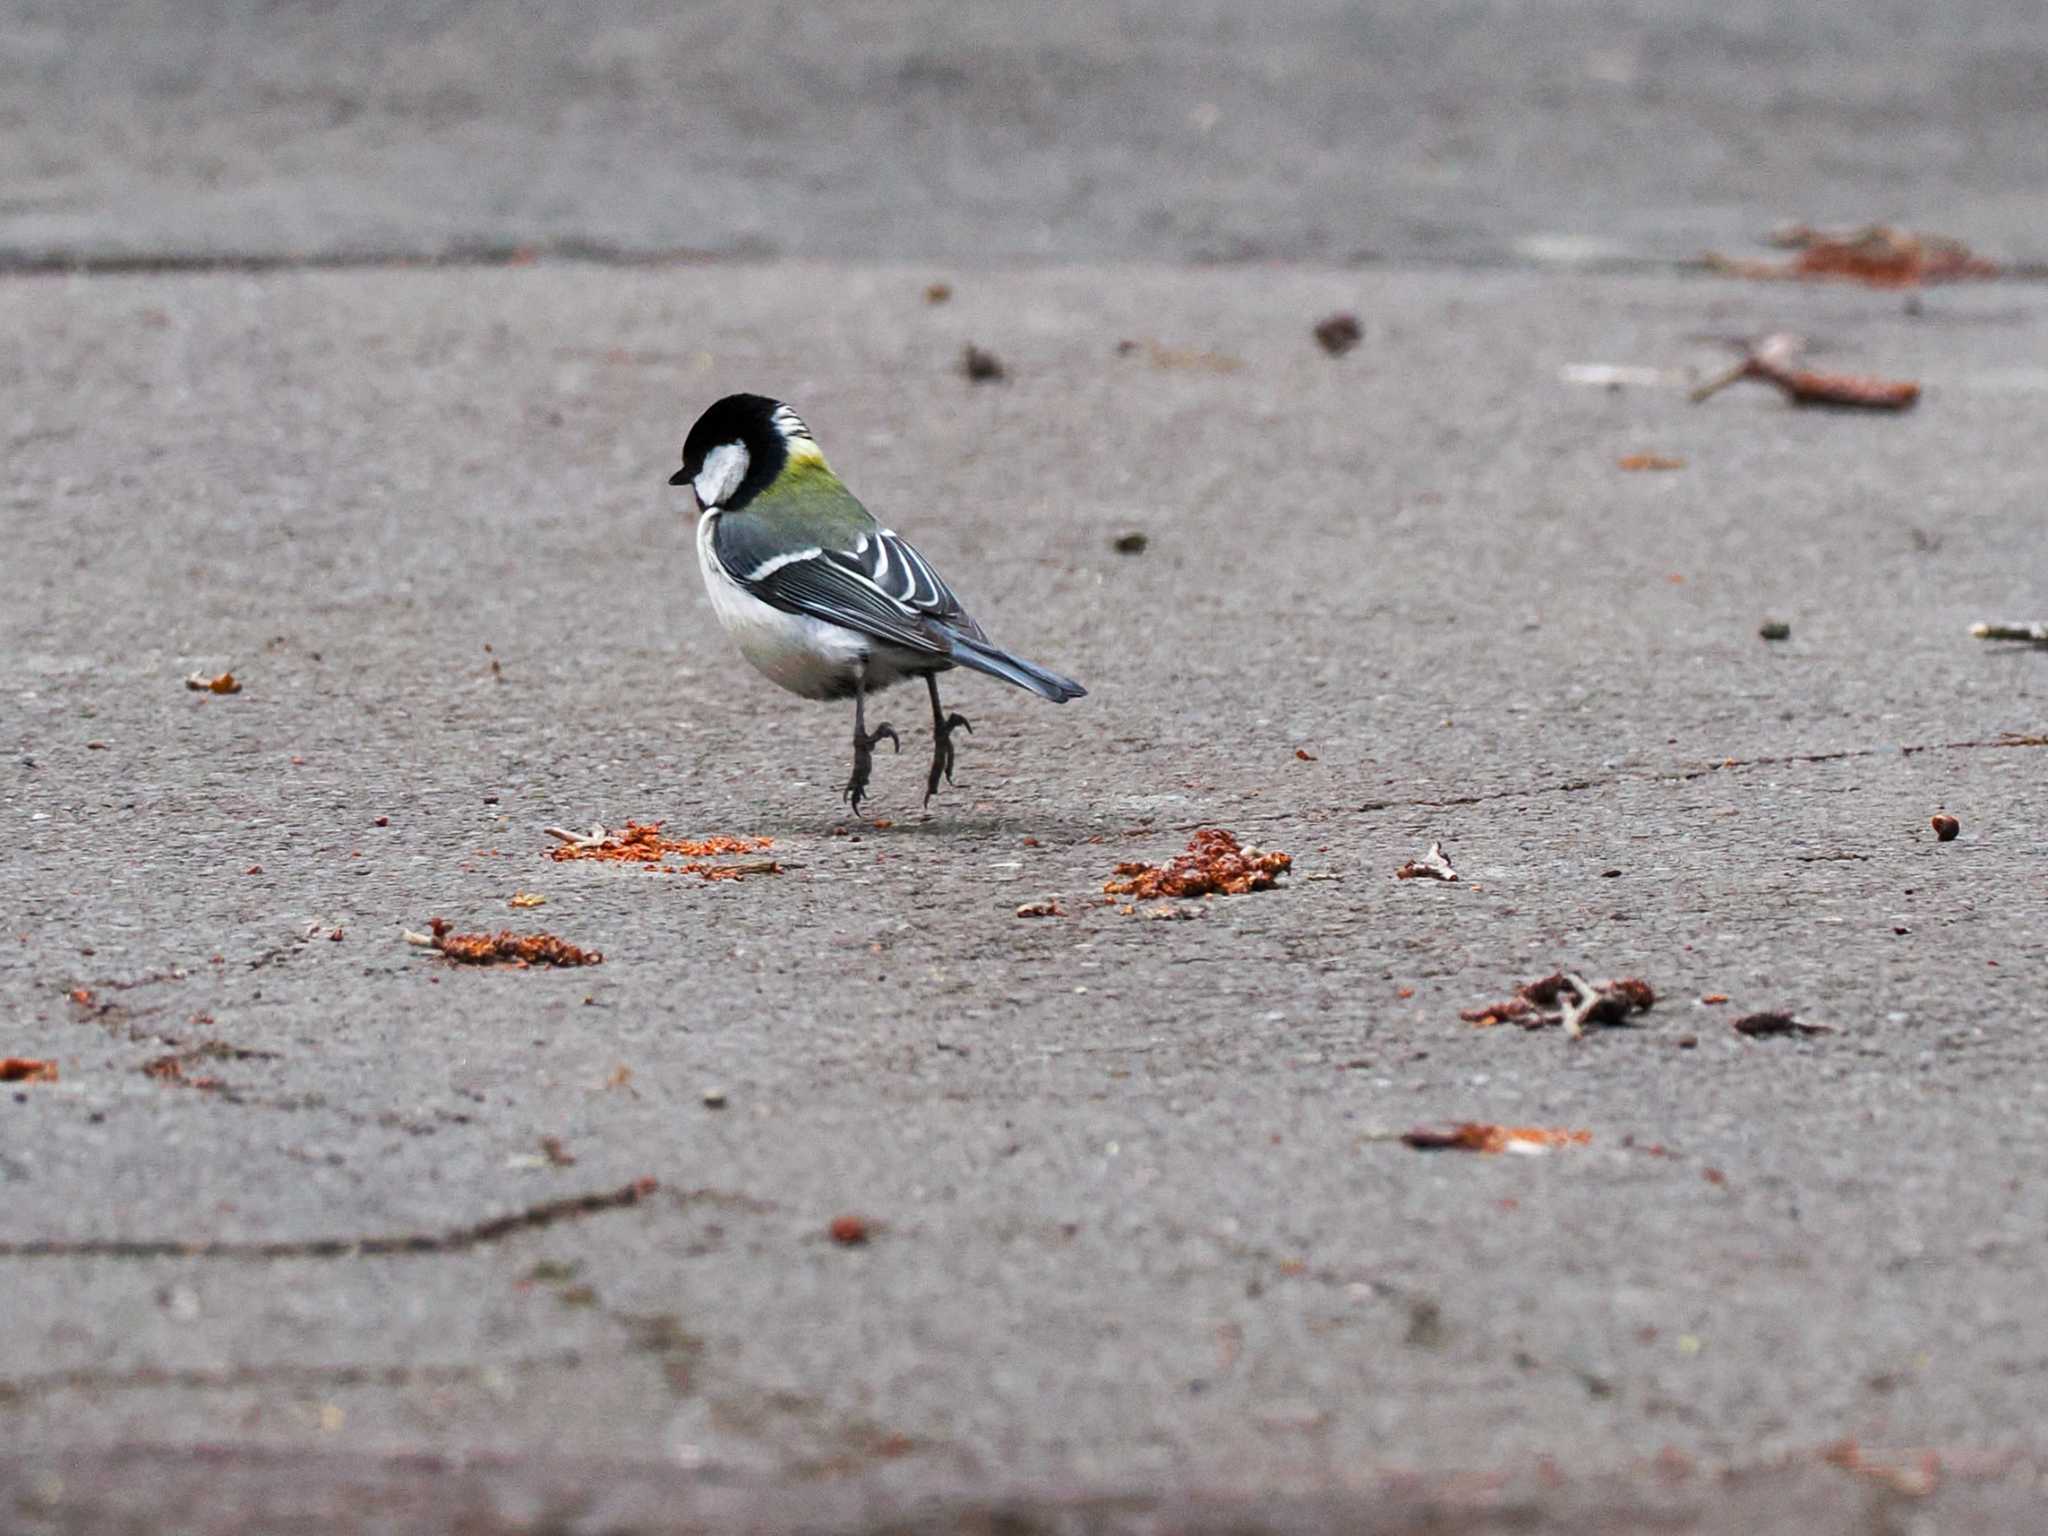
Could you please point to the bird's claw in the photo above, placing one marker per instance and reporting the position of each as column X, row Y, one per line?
column 864, row 762
column 942, row 752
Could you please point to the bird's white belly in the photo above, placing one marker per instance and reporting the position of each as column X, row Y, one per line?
column 805, row 655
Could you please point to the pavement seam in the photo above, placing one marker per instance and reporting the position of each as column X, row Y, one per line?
column 450, row 1240
column 35, row 263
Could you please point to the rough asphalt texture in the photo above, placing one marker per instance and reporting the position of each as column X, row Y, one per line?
column 1176, row 130
column 1142, row 1252
column 1135, row 1221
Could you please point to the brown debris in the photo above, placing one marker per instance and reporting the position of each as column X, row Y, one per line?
column 981, row 367
column 503, row 948
column 1562, row 998
column 1772, row 360
column 1763, row 1025
column 937, row 293
column 27, row 1069
column 1132, row 543
column 1050, row 907
column 1433, row 865
column 556, row 1152
column 1181, row 358
column 199, row 682
column 1914, row 1476
column 1214, row 863
column 642, row 843
column 1642, row 461
column 1339, row 333
column 1946, row 827
column 1877, row 255
column 849, row 1231
column 1479, row 1136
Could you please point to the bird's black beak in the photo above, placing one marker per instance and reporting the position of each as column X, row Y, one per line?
column 680, row 477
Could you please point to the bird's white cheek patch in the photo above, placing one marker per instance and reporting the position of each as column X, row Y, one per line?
column 724, row 468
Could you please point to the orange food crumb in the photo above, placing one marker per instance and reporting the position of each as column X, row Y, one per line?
column 26, row 1069
column 1214, row 862
column 1649, row 461
column 642, row 843
column 505, row 948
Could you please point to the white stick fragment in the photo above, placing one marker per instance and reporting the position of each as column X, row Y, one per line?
column 1574, row 1019
column 596, row 837
column 423, row 940
column 1433, row 865
column 2035, row 632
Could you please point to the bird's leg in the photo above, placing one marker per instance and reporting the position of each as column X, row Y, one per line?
column 864, row 742
column 943, row 727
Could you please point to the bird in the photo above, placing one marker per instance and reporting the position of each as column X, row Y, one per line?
column 820, row 597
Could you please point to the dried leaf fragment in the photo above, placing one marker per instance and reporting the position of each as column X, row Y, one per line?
column 1431, row 866
column 1480, row 1136
column 503, row 948
column 1650, row 461
column 1772, row 360
column 199, row 682
column 1050, row 907
column 523, row 899
column 27, row 1069
column 1877, row 255
column 1215, row 862
column 1763, row 1025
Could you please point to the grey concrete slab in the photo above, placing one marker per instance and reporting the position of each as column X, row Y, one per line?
column 906, row 130
column 1137, row 1225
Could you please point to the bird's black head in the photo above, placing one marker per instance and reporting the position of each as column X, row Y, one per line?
column 738, row 447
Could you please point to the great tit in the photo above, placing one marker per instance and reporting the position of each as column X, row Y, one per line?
column 822, row 599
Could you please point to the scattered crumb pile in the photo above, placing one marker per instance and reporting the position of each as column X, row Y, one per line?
column 1560, row 998
column 1213, row 863
column 505, row 948
column 1879, row 255
column 642, row 843
column 1478, row 1136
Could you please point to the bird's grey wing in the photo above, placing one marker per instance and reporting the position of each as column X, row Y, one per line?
column 838, row 586
column 888, row 561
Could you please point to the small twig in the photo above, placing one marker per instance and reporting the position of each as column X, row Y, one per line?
column 2034, row 632
column 595, row 838
column 453, row 1240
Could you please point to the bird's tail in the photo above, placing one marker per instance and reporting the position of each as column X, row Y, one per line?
column 997, row 662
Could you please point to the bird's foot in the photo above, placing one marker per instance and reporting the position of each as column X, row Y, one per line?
column 942, row 752
column 864, row 761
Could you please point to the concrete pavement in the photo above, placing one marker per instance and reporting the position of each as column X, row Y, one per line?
column 1150, row 130
column 1136, row 1225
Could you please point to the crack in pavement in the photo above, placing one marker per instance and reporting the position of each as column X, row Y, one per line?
column 1653, row 776
column 451, row 1240
column 21, row 1389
